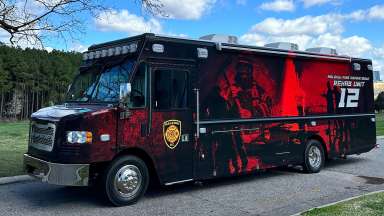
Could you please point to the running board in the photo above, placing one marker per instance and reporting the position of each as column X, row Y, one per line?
column 178, row 182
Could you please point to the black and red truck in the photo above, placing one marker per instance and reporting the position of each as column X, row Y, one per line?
column 172, row 110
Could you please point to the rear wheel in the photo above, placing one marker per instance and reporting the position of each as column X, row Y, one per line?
column 126, row 180
column 314, row 157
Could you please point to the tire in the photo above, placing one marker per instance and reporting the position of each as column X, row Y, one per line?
column 314, row 157
column 131, row 169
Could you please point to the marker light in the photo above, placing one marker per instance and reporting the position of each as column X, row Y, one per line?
column 91, row 55
column 370, row 67
column 117, row 50
column 111, row 51
column 132, row 48
column 97, row 54
column 79, row 137
column 202, row 52
column 158, row 48
column 85, row 56
column 125, row 49
column 356, row 66
column 104, row 53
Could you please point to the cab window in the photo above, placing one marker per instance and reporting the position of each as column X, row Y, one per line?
column 170, row 89
column 139, row 88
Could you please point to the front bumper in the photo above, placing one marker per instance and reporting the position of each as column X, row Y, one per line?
column 55, row 173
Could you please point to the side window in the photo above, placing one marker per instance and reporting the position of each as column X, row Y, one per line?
column 139, row 88
column 170, row 89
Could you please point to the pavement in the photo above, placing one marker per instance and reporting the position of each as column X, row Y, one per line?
column 275, row 192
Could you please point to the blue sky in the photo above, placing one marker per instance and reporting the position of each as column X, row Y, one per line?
column 353, row 27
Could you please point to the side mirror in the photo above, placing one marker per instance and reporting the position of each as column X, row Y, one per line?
column 125, row 91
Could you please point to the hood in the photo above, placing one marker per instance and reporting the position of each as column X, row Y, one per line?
column 55, row 113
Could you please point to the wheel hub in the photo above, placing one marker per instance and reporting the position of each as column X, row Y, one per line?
column 314, row 156
column 128, row 180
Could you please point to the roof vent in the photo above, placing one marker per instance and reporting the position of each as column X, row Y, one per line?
column 220, row 38
column 322, row 50
column 283, row 45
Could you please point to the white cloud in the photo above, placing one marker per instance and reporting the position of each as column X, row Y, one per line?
column 4, row 36
column 353, row 46
column 311, row 3
column 278, row 5
column 253, row 39
column 78, row 47
column 320, row 31
column 378, row 59
column 303, row 25
column 376, row 12
column 49, row 49
column 124, row 21
column 241, row 2
column 186, row 9
column 307, row 31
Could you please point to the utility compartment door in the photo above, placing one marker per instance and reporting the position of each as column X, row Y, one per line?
column 171, row 127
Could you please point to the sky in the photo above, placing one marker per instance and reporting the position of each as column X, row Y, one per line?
column 353, row 27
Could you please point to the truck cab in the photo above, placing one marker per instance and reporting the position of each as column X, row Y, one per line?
column 119, row 110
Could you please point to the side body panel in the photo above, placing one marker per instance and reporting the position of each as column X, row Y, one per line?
column 259, row 110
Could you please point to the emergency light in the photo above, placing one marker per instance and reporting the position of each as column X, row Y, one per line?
column 111, row 51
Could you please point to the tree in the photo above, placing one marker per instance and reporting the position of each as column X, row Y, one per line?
column 32, row 21
column 33, row 78
column 379, row 102
column 4, row 87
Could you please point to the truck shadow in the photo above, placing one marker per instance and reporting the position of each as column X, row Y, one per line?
column 257, row 176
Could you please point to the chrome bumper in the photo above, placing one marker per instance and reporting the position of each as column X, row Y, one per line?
column 58, row 174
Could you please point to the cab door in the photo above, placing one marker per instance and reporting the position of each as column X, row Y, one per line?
column 171, row 127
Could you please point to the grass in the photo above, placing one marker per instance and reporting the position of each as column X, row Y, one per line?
column 13, row 144
column 370, row 205
column 380, row 124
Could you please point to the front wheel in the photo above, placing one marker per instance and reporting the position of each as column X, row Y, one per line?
column 314, row 157
column 126, row 180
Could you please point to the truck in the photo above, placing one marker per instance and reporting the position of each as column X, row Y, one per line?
column 158, row 109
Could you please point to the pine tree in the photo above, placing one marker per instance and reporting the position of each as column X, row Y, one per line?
column 33, row 78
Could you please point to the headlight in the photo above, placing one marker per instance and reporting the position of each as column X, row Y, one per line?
column 80, row 137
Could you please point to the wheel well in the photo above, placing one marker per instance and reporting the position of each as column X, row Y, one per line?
column 318, row 138
column 154, row 178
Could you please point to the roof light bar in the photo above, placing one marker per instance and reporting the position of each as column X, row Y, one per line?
column 109, row 52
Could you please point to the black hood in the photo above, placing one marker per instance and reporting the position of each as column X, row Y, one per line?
column 58, row 112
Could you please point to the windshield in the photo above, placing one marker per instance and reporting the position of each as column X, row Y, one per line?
column 100, row 86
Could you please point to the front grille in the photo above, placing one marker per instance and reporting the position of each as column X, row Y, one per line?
column 42, row 136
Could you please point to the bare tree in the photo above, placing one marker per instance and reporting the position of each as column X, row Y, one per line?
column 32, row 21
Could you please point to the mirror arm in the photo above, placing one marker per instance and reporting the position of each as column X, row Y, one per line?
column 122, row 105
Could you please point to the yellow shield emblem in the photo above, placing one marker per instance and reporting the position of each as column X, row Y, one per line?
column 172, row 133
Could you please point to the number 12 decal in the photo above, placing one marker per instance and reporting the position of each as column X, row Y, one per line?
column 352, row 96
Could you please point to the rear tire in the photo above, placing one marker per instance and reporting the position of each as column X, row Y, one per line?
column 126, row 180
column 314, row 157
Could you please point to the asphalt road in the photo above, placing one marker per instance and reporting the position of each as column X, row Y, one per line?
column 275, row 192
